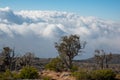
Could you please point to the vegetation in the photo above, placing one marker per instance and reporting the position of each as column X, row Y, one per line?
column 25, row 60
column 55, row 65
column 74, row 68
column 7, row 58
column 68, row 48
column 81, row 75
column 14, row 67
column 8, row 75
column 29, row 73
column 104, row 74
column 25, row 73
column 102, row 58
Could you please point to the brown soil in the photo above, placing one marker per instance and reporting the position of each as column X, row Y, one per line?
column 57, row 75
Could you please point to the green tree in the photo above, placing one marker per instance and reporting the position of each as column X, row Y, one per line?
column 68, row 48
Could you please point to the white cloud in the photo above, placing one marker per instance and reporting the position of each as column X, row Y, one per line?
column 38, row 30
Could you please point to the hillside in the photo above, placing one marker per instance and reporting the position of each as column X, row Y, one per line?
column 115, row 59
column 41, row 62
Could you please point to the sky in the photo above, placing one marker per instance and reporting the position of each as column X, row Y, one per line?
column 34, row 26
column 107, row 9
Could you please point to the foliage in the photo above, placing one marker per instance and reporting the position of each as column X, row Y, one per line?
column 74, row 68
column 7, row 57
column 26, row 73
column 25, row 60
column 29, row 72
column 55, row 65
column 7, row 75
column 16, row 75
column 1, row 75
column 68, row 48
column 105, row 74
column 10, row 61
column 81, row 75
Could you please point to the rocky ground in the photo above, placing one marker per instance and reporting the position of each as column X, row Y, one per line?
column 57, row 75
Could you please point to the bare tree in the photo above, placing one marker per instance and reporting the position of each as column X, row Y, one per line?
column 29, row 57
column 108, row 58
column 102, row 58
column 25, row 60
column 68, row 48
column 8, row 58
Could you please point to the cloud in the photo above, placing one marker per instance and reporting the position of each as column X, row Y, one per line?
column 8, row 16
column 36, row 31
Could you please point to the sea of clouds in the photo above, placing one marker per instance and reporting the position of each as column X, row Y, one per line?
column 36, row 31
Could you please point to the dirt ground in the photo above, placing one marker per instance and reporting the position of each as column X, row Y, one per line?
column 57, row 75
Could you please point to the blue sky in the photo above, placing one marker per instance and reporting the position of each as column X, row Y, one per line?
column 106, row 9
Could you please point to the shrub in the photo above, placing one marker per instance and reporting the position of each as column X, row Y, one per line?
column 55, row 65
column 7, row 75
column 81, row 75
column 74, row 68
column 103, row 75
column 1, row 76
column 16, row 75
column 29, row 72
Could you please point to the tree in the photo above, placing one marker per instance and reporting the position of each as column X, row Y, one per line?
column 25, row 60
column 7, row 56
column 68, row 48
column 28, row 58
column 102, row 58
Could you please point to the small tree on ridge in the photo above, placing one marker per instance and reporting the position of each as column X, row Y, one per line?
column 68, row 48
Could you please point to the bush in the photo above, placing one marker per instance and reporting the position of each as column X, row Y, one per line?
column 1, row 76
column 103, row 75
column 16, row 75
column 81, row 75
column 74, row 68
column 55, row 65
column 8, row 75
column 29, row 73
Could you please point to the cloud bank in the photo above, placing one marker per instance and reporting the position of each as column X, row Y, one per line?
column 36, row 31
